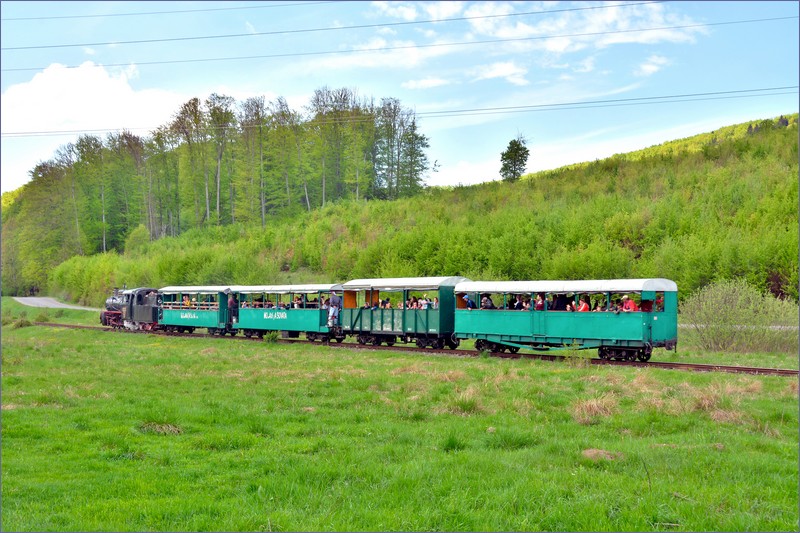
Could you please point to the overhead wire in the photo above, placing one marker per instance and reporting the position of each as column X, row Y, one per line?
column 415, row 46
column 330, row 28
column 607, row 103
column 171, row 12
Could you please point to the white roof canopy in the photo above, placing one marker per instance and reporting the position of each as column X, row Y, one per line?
column 575, row 286
column 252, row 289
column 399, row 284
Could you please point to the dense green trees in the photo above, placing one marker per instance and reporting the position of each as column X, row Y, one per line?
column 717, row 206
column 214, row 162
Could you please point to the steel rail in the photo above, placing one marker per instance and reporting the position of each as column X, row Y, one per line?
column 694, row 367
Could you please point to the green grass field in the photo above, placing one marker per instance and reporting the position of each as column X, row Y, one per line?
column 112, row 431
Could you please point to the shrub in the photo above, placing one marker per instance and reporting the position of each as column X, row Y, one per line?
column 734, row 316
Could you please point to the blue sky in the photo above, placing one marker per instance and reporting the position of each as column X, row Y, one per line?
column 578, row 80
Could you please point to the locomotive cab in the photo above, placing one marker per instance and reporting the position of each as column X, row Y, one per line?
column 140, row 308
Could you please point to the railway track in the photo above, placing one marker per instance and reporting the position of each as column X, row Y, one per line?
column 468, row 353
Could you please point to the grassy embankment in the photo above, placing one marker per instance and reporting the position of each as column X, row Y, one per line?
column 109, row 431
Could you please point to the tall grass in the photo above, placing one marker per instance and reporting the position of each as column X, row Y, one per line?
column 137, row 432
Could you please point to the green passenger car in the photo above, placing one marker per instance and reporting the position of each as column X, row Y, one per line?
column 186, row 308
column 623, row 319
column 290, row 309
column 406, row 309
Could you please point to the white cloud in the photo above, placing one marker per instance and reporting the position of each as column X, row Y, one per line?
column 508, row 70
column 466, row 173
column 651, row 66
column 402, row 10
column 427, row 83
column 250, row 28
column 84, row 99
column 89, row 51
column 442, row 10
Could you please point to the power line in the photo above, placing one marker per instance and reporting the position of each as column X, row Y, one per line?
column 407, row 47
column 310, row 30
column 269, row 6
column 648, row 100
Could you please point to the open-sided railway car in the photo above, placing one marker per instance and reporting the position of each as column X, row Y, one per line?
column 292, row 309
column 184, row 309
column 616, row 333
column 367, row 314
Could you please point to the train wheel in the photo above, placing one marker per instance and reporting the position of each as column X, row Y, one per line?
column 602, row 353
column 481, row 345
column 421, row 343
column 438, row 344
column 513, row 349
column 453, row 343
column 212, row 331
column 390, row 341
column 340, row 339
column 644, row 356
column 376, row 341
column 630, row 356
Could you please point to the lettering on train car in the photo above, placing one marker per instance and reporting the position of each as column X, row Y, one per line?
column 189, row 315
column 276, row 315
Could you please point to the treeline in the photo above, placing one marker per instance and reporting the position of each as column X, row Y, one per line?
column 694, row 211
column 215, row 162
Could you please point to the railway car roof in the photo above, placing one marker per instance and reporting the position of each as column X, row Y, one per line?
column 563, row 286
column 271, row 289
column 398, row 284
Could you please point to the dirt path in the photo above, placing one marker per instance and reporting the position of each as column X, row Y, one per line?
column 49, row 302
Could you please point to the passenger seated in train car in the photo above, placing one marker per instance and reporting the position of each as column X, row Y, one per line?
column 628, row 305
column 520, row 304
column 583, row 306
column 539, row 305
column 186, row 302
column 659, row 302
column 400, row 305
column 647, row 306
column 435, row 302
column 487, row 303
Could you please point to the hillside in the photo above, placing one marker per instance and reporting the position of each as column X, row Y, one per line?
column 718, row 205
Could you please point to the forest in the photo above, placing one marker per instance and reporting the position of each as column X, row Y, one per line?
column 215, row 162
column 242, row 210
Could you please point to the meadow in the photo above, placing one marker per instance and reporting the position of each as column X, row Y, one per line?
column 126, row 432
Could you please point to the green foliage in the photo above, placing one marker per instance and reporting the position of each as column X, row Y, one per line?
column 514, row 159
column 137, row 240
column 731, row 315
column 667, row 212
